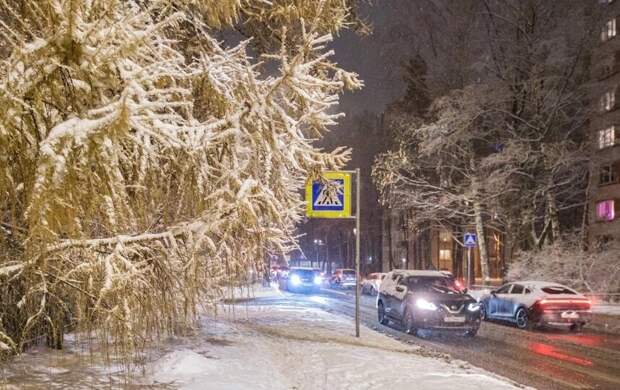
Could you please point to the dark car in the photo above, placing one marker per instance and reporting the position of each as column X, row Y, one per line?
column 304, row 280
column 427, row 300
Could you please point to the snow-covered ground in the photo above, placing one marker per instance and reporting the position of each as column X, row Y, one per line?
column 291, row 347
column 265, row 347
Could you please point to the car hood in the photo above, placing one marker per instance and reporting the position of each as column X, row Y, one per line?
column 444, row 297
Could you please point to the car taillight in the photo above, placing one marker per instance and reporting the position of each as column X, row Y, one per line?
column 561, row 304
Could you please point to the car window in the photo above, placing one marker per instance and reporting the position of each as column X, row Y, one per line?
column 557, row 290
column 304, row 273
column 383, row 276
column 395, row 276
column 517, row 289
column 349, row 273
column 528, row 291
column 432, row 284
column 504, row 289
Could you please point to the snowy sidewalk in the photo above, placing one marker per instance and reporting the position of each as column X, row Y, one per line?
column 287, row 347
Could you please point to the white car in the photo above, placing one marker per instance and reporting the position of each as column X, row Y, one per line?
column 371, row 284
column 535, row 303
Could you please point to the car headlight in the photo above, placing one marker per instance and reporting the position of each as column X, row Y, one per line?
column 318, row 280
column 473, row 306
column 295, row 280
column 425, row 305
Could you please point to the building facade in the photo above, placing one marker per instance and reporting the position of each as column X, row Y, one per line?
column 604, row 196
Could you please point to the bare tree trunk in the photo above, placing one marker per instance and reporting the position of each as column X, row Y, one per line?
column 552, row 210
column 482, row 244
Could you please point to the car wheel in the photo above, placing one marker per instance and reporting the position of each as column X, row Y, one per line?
column 576, row 328
column 522, row 319
column 483, row 312
column 381, row 314
column 408, row 326
column 471, row 333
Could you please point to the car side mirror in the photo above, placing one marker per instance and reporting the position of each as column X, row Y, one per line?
column 400, row 288
column 494, row 293
column 465, row 290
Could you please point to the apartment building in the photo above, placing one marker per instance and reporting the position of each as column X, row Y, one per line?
column 605, row 129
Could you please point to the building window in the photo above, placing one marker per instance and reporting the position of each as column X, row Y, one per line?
column 445, row 260
column 607, row 137
column 609, row 30
column 605, row 210
column 608, row 175
column 445, row 236
column 608, row 101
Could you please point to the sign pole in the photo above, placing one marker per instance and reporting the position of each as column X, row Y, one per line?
column 469, row 267
column 358, row 233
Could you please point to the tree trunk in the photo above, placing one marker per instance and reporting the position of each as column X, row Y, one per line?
column 552, row 210
column 482, row 245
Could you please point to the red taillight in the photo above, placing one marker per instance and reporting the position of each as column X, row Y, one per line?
column 560, row 304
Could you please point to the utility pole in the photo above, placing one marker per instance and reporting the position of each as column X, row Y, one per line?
column 357, row 253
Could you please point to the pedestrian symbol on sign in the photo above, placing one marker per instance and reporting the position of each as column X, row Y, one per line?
column 469, row 240
column 330, row 196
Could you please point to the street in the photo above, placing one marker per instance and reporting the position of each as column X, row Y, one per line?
column 545, row 359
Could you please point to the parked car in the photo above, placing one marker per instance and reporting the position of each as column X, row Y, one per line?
column 370, row 284
column 343, row 278
column 303, row 280
column 532, row 303
column 427, row 300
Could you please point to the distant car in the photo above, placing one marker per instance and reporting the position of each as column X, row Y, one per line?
column 532, row 303
column 343, row 278
column 428, row 300
column 302, row 280
column 370, row 285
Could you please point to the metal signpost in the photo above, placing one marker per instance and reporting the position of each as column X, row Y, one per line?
column 469, row 240
column 331, row 198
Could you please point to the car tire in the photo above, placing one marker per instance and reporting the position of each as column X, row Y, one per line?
column 483, row 312
column 576, row 328
column 522, row 319
column 471, row 333
column 408, row 324
column 381, row 314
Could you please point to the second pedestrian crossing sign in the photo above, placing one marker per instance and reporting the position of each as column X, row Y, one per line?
column 329, row 196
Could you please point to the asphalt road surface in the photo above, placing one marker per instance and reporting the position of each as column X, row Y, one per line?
column 545, row 359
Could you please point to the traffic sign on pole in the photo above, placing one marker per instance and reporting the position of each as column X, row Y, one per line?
column 469, row 240
column 329, row 197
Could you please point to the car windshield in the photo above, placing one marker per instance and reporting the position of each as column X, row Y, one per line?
column 557, row 290
column 432, row 284
column 348, row 273
column 303, row 273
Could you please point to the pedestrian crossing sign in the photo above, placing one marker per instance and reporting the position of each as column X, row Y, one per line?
column 329, row 196
column 470, row 240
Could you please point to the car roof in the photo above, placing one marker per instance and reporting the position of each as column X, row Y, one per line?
column 537, row 283
column 417, row 272
column 303, row 269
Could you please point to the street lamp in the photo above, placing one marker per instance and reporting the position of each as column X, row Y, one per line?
column 317, row 242
column 404, row 260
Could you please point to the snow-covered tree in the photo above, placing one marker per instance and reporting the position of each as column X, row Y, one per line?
column 143, row 164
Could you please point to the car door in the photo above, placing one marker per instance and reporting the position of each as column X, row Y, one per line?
column 400, row 292
column 514, row 300
column 496, row 301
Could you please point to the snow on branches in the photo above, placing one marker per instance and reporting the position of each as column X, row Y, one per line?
column 144, row 164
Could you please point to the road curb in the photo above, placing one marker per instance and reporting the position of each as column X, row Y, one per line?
column 605, row 323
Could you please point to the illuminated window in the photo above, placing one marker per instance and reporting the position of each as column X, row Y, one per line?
column 607, row 137
column 445, row 236
column 605, row 210
column 445, row 255
column 608, row 101
column 609, row 30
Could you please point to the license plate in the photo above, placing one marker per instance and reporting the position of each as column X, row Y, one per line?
column 454, row 319
column 569, row 315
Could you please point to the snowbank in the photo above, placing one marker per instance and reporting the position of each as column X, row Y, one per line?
column 286, row 347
